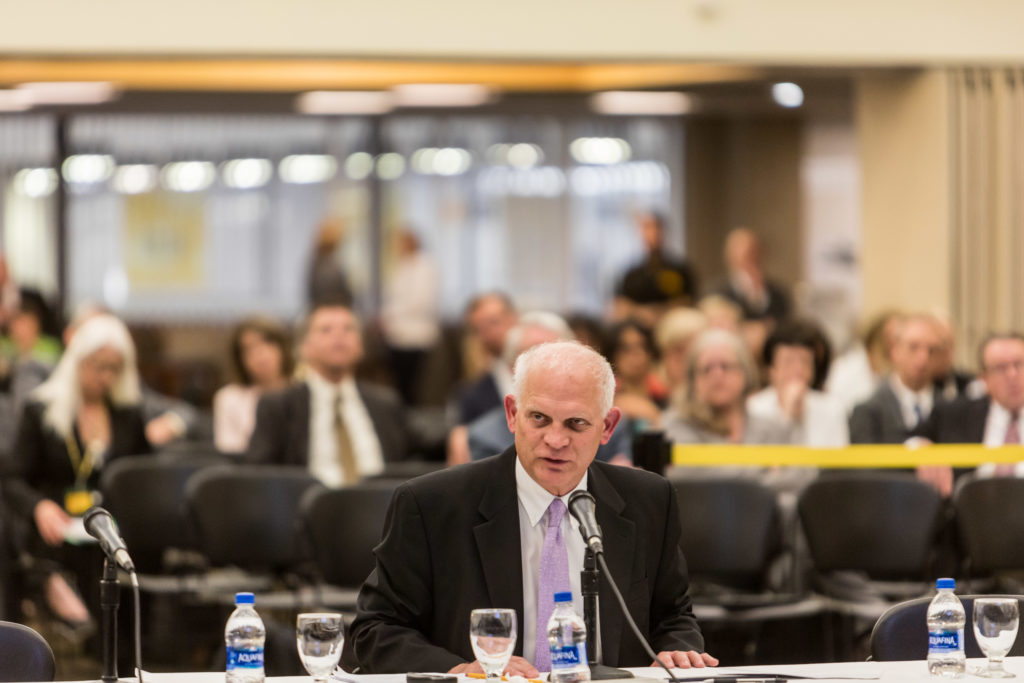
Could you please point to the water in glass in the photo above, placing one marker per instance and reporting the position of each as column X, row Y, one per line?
column 492, row 633
column 995, row 628
column 319, row 638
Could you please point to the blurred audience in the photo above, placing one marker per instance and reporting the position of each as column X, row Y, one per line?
column 661, row 281
column 488, row 317
column 906, row 396
column 675, row 333
column 855, row 374
column 759, row 298
column 639, row 392
column 29, row 337
column 409, row 315
column 720, row 375
column 340, row 428
column 797, row 356
column 951, row 382
column 86, row 414
column 327, row 278
column 261, row 357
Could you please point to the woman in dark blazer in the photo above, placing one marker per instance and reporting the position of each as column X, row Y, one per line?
column 83, row 416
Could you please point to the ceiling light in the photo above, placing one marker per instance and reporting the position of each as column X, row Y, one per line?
column 638, row 103
column 188, row 176
column 600, row 151
column 85, row 169
column 789, row 95
column 390, row 166
column 70, row 92
column 359, row 165
column 441, row 95
column 345, row 102
column 304, row 169
column 14, row 100
column 247, row 174
column 135, row 178
column 35, row 182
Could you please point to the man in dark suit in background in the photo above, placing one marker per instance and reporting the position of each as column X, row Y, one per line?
column 905, row 398
column 340, row 428
column 993, row 420
column 477, row 536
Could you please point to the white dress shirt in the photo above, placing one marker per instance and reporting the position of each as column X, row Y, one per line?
column 996, row 424
column 533, row 505
column 910, row 400
column 823, row 424
column 323, row 445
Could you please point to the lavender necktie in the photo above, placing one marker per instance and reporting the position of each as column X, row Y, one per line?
column 554, row 577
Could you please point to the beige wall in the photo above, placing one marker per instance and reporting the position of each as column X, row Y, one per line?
column 744, row 172
column 903, row 127
column 780, row 31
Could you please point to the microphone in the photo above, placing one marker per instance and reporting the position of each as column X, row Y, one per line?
column 100, row 525
column 581, row 506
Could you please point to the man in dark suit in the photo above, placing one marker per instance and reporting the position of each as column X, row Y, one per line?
column 993, row 420
column 905, row 398
column 342, row 429
column 477, row 536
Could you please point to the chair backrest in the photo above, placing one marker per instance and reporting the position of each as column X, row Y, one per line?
column 249, row 516
column 730, row 530
column 901, row 633
column 146, row 496
column 986, row 523
column 883, row 524
column 24, row 654
column 344, row 526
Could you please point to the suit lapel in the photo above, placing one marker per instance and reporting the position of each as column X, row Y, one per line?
column 897, row 429
column 298, row 448
column 497, row 539
column 620, row 544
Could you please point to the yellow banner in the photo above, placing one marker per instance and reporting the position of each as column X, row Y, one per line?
column 957, row 455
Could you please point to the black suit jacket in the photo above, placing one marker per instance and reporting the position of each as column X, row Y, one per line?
column 281, row 435
column 451, row 544
column 478, row 398
column 39, row 465
column 960, row 421
column 880, row 418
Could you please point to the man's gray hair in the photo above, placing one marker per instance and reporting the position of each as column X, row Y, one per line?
column 552, row 322
column 580, row 359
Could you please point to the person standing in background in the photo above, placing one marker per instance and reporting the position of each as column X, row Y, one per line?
column 409, row 316
column 327, row 278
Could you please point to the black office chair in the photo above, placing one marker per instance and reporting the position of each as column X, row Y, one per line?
column 249, row 517
column 146, row 496
column 901, row 633
column 987, row 517
column 343, row 527
column 24, row 654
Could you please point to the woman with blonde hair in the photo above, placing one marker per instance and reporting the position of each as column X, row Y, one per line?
column 84, row 415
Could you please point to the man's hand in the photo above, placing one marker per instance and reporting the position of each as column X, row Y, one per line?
column 164, row 428
column 791, row 399
column 51, row 520
column 677, row 659
column 940, row 477
column 517, row 666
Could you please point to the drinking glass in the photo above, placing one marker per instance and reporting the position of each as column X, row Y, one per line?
column 492, row 632
column 995, row 627
column 319, row 637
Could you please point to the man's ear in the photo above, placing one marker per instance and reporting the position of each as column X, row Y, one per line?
column 610, row 421
column 510, row 412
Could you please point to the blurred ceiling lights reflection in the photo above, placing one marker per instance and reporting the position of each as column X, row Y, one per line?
column 135, row 178
column 441, row 95
column 546, row 181
column 638, row 103
column 600, row 151
column 247, row 174
column 359, row 165
column 69, row 92
column 305, row 169
column 345, row 102
column 640, row 177
column 446, row 161
column 789, row 95
column 35, row 182
column 188, row 176
column 14, row 100
column 87, row 169
column 390, row 166
column 519, row 155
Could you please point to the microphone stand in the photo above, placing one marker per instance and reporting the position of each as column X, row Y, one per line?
column 110, row 599
column 590, row 577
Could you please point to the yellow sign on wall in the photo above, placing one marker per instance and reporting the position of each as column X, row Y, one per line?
column 164, row 239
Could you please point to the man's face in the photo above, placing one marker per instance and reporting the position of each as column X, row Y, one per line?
column 914, row 352
column 719, row 380
column 558, row 427
column 490, row 323
column 334, row 342
column 791, row 364
column 1004, row 372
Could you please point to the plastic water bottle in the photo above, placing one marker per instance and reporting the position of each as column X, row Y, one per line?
column 567, row 638
column 946, row 620
column 244, row 636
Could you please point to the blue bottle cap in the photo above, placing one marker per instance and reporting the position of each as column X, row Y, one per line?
column 245, row 599
column 945, row 583
column 563, row 596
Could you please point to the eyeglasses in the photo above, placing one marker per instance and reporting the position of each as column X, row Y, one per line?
column 1004, row 368
column 705, row 370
